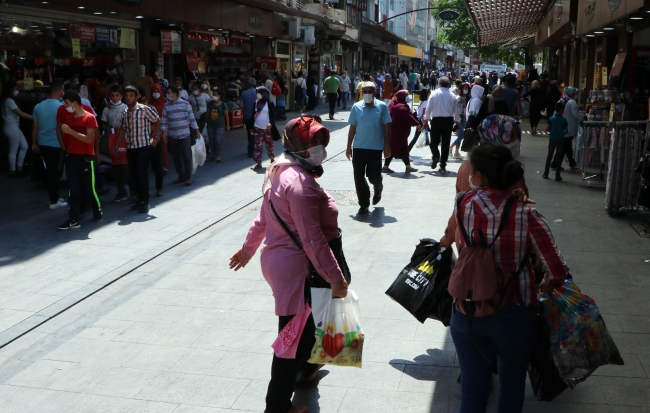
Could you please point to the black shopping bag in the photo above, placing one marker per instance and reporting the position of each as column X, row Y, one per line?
column 421, row 287
column 544, row 375
column 37, row 168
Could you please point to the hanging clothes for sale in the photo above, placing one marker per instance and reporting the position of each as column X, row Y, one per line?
column 623, row 183
column 592, row 149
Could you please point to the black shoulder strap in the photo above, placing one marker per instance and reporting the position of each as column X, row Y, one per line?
column 284, row 225
column 459, row 219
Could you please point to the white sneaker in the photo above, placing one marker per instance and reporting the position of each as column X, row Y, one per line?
column 60, row 204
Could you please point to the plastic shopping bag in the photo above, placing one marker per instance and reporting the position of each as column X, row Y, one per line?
column 421, row 287
column 118, row 158
column 422, row 141
column 198, row 153
column 339, row 336
column 580, row 342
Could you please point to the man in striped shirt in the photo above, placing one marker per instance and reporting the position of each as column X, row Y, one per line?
column 177, row 120
column 139, row 124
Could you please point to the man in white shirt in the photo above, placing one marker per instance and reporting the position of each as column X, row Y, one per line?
column 442, row 111
column 345, row 84
column 404, row 80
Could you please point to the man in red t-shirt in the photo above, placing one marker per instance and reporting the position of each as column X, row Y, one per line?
column 78, row 127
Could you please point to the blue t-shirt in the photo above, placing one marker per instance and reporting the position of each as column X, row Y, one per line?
column 248, row 98
column 370, row 121
column 511, row 96
column 46, row 112
column 557, row 124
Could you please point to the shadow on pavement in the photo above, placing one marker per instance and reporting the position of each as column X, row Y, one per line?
column 377, row 218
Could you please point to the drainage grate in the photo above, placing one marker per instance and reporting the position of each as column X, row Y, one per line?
column 640, row 229
column 344, row 197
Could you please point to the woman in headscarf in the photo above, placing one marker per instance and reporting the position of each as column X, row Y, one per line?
column 264, row 124
column 536, row 98
column 291, row 194
column 494, row 104
column 402, row 122
column 573, row 117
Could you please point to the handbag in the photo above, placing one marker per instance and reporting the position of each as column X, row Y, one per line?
column 315, row 280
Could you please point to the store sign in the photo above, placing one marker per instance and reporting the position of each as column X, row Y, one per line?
column 170, row 41
column 590, row 10
column 448, row 15
column 617, row 66
column 265, row 63
column 76, row 48
column 127, row 38
column 604, row 75
column 255, row 20
column 129, row 3
column 192, row 62
column 82, row 31
column 107, row 35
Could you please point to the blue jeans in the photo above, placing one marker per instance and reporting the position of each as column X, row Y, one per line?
column 411, row 86
column 507, row 336
column 344, row 99
column 460, row 133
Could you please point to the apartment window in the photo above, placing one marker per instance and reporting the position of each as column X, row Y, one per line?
column 391, row 4
column 391, row 26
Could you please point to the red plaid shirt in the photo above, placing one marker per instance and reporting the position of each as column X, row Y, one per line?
column 527, row 231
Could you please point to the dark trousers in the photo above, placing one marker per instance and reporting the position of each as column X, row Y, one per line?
column 366, row 163
column 440, row 129
column 157, row 163
column 80, row 171
column 535, row 117
column 568, row 150
column 331, row 99
column 284, row 371
column 506, row 336
column 52, row 158
column 122, row 176
column 555, row 146
column 250, row 128
column 182, row 152
column 388, row 160
column 139, row 159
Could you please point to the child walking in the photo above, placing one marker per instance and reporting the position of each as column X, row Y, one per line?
column 557, row 128
column 218, row 123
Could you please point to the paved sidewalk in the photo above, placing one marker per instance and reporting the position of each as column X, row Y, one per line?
column 184, row 334
column 43, row 271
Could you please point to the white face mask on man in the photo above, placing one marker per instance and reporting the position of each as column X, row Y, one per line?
column 317, row 155
column 156, row 95
column 368, row 98
column 204, row 86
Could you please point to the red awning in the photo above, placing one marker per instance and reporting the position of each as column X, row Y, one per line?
column 498, row 21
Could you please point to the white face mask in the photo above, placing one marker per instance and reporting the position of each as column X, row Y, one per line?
column 259, row 96
column 465, row 91
column 16, row 92
column 408, row 99
column 204, row 86
column 156, row 95
column 317, row 155
column 116, row 103
column 196, row 93
column 169, row 97
column 368, row 98
column 216, row 98
column 471, row 184
column 69, row 109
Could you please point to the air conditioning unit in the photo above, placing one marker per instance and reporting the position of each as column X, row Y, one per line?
column 331, row 46
column 291, row 28
column 307, row 36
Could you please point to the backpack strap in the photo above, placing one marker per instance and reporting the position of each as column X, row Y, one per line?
column 459, row 219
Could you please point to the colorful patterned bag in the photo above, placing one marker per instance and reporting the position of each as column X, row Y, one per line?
column 339, row 336
column 580, row 342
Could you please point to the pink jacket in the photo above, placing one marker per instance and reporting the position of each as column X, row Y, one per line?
column 311, row 214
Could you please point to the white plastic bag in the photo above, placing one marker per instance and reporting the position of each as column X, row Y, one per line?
column 422, row 141
column 198, row 153
column 204, row 132
column 339, row 336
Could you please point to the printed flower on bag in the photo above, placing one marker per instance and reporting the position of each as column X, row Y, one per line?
column 329, row 328
column 494, row 129
column 507, row 127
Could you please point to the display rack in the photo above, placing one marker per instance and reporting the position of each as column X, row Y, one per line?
column 592, row 152
column 628, row 144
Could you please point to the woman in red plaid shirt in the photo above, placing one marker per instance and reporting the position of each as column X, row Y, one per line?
column 507, row 335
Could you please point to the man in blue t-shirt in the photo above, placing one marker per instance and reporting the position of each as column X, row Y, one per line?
column 557, row 127
column 46, row 142
column 511, row 96
column 248, row 99
column 370, row 131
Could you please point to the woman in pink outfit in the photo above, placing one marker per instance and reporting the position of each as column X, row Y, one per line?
column 310, row 214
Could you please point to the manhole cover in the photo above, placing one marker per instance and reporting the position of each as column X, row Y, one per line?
column 344, row 197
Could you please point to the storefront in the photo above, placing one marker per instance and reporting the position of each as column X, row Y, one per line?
column 410, row 56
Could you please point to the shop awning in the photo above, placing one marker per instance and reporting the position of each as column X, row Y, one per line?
column 384, row 34
column 499, row 21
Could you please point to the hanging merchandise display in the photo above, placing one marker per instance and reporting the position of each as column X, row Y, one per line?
column 628, row 144
column 592, row 149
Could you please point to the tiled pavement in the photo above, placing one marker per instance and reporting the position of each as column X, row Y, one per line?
column 182, row 333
